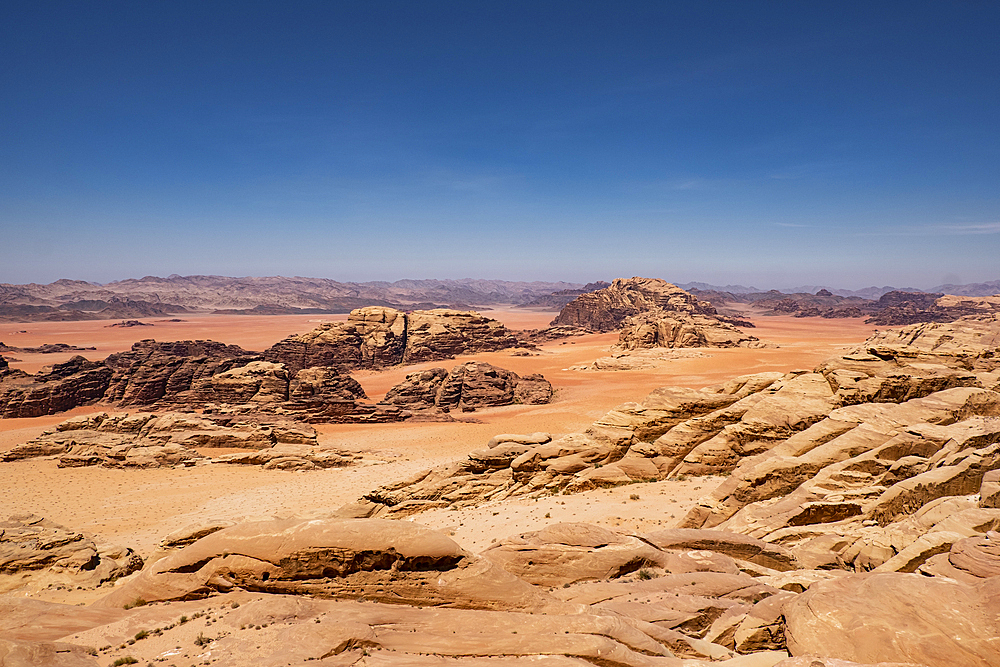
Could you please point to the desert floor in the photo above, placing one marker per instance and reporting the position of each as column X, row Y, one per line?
column 137, row 508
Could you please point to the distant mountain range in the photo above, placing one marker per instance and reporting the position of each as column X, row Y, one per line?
column 272, row 295
column 275, row 295
column 971, row 289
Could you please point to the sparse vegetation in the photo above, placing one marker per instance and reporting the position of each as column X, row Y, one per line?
column 202, row 640
column 127, row 660
column 645, row 574
column 142, row 634
column 138, row 602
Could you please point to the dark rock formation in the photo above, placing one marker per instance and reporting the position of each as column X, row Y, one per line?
column 54, row 389
column 151, row 371
column 467, row 387
column 377, row 337
column 47, row 348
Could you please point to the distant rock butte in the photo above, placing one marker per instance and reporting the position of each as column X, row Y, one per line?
column 606, row 309
column 653, row 313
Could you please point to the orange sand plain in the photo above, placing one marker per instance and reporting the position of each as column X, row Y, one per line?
column 137, row 507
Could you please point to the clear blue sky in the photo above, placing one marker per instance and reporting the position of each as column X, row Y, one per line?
column 766, row 143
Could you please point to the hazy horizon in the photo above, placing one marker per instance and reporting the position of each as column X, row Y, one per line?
column 772, row 145
column 809, row 287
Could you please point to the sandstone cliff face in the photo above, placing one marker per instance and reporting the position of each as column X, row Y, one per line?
column 151, row 370
column 377, row 337
column 467, row 387
column 606, row 309
column 55, row 389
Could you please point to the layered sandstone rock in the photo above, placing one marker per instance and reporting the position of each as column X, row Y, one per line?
column 467, row 387
column 376, row 337
column 653, row 313
column 375, row 559
column 658, row 329
column 606, row 309
column 146, row 440
column 36, row 552
column 54, row 389
column 151, row 371
column 393, row 592
column 863, row 438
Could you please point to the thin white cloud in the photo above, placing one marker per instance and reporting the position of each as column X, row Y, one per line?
column 981, row 228
column 939, row 230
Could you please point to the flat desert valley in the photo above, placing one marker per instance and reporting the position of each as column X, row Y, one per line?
column 137, row 507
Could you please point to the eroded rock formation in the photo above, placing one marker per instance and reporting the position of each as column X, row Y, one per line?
column 466, row 387
column 36, row 552
column 376, row 337
column 653, row 313
column 54, row 389
column 773, row 432
column 606, row 309
column 147, row 440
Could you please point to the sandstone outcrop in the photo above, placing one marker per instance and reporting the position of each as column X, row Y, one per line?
column 380, row 592
column 658, row 329
column 376, row 337
column 653, row 313
column 151, row 371
column 815, row 459
column 148, row 440
column 467, row 387
column 36, row 552
column 54, row 389
column 374, row 559
column 607, row 308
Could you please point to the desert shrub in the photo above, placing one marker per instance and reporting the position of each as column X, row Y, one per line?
column 138, row 602
column 127, row 660
column 142, row 634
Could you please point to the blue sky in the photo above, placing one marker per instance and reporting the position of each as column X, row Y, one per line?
column 765, row 143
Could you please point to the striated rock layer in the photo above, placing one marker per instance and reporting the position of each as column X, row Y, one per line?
column 377, row 337
column 467, row 387
column 870, row 436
